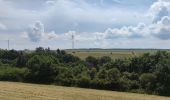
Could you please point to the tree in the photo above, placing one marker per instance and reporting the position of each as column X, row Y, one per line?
column 91, row 61
column 64, row 76
column 148, row 81
column 70, row 58
column 102, row 74
column 21, row 60
column 8, row 73
column 40, row 69
column 163, row 77
column 122, row 64
column 104, row 60
column 113, row 74
column 84, row 81
column 39, row 50
column 7, row 57
column 0, row 63
column 92, row 73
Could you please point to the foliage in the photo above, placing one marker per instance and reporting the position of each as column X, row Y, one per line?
column 12, row 73
column 41, row 69
column 149, row 73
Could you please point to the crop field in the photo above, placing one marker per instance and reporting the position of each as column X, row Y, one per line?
column 113, row 53
column 24, row 91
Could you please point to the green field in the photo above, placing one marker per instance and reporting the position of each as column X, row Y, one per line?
column 23, row 91
column 113, row 53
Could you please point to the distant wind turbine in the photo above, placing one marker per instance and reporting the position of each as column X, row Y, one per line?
column 72, row 36
column 8, row 42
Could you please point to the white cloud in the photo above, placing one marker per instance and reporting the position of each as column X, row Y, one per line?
column 51, row 35
column 161, row 29
column 50, row 2
column 159, row 9
column 37, row 33
column 138, row 31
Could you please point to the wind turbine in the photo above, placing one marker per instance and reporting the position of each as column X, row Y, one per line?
column 8, row 42
column 75, row 28
column 72, row 36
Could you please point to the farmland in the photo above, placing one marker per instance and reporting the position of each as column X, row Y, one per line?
column 23, row 91
column 113, row 53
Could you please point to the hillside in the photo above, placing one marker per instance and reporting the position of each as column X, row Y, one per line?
column 23, row 91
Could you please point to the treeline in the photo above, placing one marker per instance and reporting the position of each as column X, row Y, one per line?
column 149, row 73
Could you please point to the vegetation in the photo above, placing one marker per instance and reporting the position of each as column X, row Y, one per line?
column 148, row 73
column 112, row 53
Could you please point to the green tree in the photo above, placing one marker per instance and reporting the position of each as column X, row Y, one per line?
column 21, row 60
column 8, row 73
column 148, row 81
column 104, row 60
column 113, row 74
column 91, row 61
column 40, row 69
column 92, row 73
column 163, row 77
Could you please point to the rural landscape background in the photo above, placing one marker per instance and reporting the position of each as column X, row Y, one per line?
column 84, row 49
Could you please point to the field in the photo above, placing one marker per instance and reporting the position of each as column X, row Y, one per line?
column 113, row 53
column 23, row 91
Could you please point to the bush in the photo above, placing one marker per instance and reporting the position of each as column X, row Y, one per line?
column 113, row 74
column 148, row 81
column 41, row 69
column 12, row 74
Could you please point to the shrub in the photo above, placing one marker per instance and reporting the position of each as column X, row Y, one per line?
column 12, row 74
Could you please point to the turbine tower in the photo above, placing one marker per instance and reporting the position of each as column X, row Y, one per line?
column 8, row 44
column 72, row 36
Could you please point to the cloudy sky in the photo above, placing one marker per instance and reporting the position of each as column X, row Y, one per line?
column 94, row 23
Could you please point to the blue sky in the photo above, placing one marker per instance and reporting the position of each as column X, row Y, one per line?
column 95, row 23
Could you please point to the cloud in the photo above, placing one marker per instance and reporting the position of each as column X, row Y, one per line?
column 50, row 2
column 138, row 31
column 159, row 9
column 51, row 35
column 161, row 29
column 160, row 12
column 2, row 26
column 36, row 33
column 96, row 21
column 89, row 14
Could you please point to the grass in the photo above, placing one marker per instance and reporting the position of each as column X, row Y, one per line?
column 24, row 91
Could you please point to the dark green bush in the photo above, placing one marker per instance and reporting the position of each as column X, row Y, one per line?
column 12, row 74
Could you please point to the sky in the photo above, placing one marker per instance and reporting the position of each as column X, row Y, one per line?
column 94, row 23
